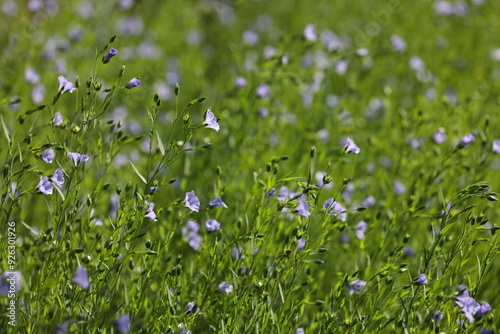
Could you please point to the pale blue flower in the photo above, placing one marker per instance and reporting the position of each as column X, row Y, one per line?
column 466, row 140
column 485, row 308
column 361, row 228
column 48, row 155
column 310, row 33
column 399, row 188
column 496, row 146
column 263, row 91
column 190, row 232
column 301, row 244
column 302, row 207
column 350, row 147
column 10, row 279
column 212, row 225
column 398, row 43
column 225, row 287
column 110, row 54
column 134, row 82
column 437, row 316
column 57, row 178
column 421, row 279
column 334, row 208
column 439, row 137
column 150, row 213
column 300, row 331
column 81, row 278
column 356, row 286
column 191, row 201
column 369, row 201
column 123, row 324
column 57, row 119
column 240, row 82
column 44, row 186
column 65, row 85
column 77, row 157
column 283, row 194
column 63, row 328
column 211, row 120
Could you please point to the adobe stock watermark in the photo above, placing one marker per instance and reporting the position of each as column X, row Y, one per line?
column 10, row 281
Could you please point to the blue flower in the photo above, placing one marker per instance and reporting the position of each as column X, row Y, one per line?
column 301, row 244
column 57, row 177
column 150, row 213
column 123, row 323
column 361, row 229
column 134, row 82
column 356, row 286
column 44, row 186
column 437, row 316
column 300, row 331
column 57, row 119
column 190, row 232
column 81, row 278
column 211, row 120
column 110, row 54
column 439, row 137
column 310, row 33
column 302, row 207
column 263, row 91
column 191, row 201
column 218, row 203
column 495, row 146
column 192, row 308
column 9, row 279
column 48, row 156
column 350, row 147
column 225, row 287
column 77, row 157
column 212, row 225
column 466, row 140
column 421, row 279
column 65, row 85
column 334, row 208
column 485, row 308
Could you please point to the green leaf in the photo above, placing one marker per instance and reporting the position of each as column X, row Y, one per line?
column 160, row 143
column 5, row 130
column 137, row 172
column 198, row 100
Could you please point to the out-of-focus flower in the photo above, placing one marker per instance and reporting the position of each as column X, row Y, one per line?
column 361, row 228
column 466, row 140
column 225, row 287
column 263, row 91
column 437, row 316
column 212, row 225
column 302, row 207
column 398, row 43
column 421, row 279
column 439, row 137
column 310, row 33
column 240, row 82
column 31, row 76
column 301, row 243
column 9, row 280
column 134, row 82
column 356, row 286
column 81, row 278
column 369, row 201
column 300, row 331
column 399, row 188
column 218, row 203
column 123, row 324
column 190, row 232
column 57, row 119
column 250, row 37
column 150, row 213
column 334, row 208
column 495, row 146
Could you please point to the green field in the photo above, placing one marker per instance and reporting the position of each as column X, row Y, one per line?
column 249, row 166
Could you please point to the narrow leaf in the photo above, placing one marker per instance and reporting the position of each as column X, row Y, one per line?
column 137, row 172
column 160, row 143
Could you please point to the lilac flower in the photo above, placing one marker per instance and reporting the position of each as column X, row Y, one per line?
column 439, row 137
column 341, row 66
column 466, row 140
column 417, row 64
column 225, row 287
column 134, row 82
column 110, row 54
column 496, row 146
column 302, row 207
column 48, row 155
column 211, row 120
column 301, row 244
column 190, row 232
column 57, row 119
column 65, row 85
column 77, row 157
column 31, row 76
column 486, row 331
column 9, row 279
column 192, row 308
column 350, row 147
column 237, row 253
column 44, row 186
column 356, row 286
column 150, row 213
column 263, row 91
column 369, row 201
column 38, row 93
column 310, row 33
column 240, row 82
column 468, row 305
column 191, row 201
column 399, row 188
column 57, row 178
column 334, row 208
column 212, row 225
column 437, row 316
column 300, row 331
column 398, row 43
column 408, row 251
column 250, row 37
column 485, row 308
column 123, row 323
column 81, row 278
column 421, row 279
column 63, row 328
column 283, row 194
column 218, row 203
column 361, row 229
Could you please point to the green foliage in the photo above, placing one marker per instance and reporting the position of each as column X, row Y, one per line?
column 122, row 215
